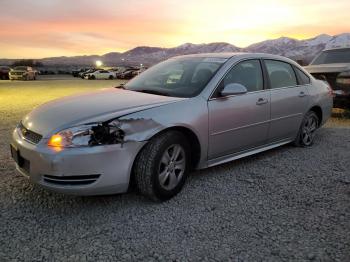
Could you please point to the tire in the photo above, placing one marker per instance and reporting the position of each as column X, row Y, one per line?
column 93, row 77
column 158, row 174
column 110, row 77
column 307, row 130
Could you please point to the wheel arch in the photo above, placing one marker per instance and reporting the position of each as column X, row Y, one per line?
column 318, row 111
column 192, row 139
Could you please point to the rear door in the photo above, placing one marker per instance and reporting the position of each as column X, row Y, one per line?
column 239, row 122
column 103, row 74
column 289, row 100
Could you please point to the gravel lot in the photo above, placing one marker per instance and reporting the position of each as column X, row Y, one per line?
column 287, row 204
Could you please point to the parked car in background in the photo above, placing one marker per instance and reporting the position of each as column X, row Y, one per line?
column 88, row 71
column 22, row 73
column 4, row 72
column 153, row 130
column 100, row 74
column 75, row 73
column 141, row 70
column 128, row 74
column 333, row 66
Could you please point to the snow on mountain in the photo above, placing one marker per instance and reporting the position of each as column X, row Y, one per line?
column 296, row 49
column 300, row 49
column 342, row 40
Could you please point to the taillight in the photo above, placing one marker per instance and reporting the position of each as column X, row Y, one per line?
column 330, row 90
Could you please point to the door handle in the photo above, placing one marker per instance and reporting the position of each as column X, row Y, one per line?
column 262, row 101
column 302, row 94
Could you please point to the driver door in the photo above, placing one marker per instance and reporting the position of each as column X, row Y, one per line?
column 239, row 122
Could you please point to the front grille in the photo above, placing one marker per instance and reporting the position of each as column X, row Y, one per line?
column 29, row 135
column 17, row 73
column 71, row 180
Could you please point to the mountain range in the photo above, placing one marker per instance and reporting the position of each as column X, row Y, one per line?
column 295, row 49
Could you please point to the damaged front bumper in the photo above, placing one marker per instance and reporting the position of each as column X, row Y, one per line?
column 95, row 170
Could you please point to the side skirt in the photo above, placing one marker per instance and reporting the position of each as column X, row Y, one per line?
column 231, row 157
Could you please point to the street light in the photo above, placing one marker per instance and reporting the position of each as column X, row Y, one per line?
column 98, row 63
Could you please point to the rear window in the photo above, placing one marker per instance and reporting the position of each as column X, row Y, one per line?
column 281, row 74
column 302, row 77
column 332, row 56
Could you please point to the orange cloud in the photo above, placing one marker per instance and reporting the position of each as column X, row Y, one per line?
column 55, row 28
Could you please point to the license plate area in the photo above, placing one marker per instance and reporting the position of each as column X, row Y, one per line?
column 20, row 161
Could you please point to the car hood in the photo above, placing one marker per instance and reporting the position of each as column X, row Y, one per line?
column 90, row 107
column 328, row 68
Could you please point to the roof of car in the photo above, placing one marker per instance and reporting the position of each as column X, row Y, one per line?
column 215, row 55
column 237, row 54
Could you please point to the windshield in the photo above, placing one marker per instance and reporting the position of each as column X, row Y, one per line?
column 20, row 68
column 179, row 77
column 333, row 56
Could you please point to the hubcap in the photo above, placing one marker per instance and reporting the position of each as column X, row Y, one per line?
column 172, row 167
column 309, row 129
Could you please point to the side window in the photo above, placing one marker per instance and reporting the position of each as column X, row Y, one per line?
column 303, row 78
column 247, row 73
column 281, row 74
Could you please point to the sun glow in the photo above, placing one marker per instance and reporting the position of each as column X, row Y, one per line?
column 57, row 28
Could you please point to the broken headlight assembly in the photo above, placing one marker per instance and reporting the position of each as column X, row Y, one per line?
column 88, row 135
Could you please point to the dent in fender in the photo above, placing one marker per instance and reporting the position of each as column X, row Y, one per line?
column 137, row 129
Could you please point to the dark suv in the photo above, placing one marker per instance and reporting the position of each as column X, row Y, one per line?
column 333, row 66
column 4, row 72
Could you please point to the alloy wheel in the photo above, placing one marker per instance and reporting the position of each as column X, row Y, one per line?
column 172, row 167
column 308, row 131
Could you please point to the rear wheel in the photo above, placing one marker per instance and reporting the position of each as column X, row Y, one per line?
column 161, row 167
column 110, row 77
column 307, row 130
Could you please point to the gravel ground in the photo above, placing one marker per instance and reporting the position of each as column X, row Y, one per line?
column 287, row 204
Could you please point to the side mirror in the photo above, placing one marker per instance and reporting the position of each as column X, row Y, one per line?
column 233, row 89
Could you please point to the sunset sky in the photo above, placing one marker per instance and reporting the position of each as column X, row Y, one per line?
column 42, row 28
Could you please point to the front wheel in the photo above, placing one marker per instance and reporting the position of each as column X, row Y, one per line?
column 307, row 130
column 162, row 166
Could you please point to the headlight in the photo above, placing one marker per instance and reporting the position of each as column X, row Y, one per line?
column 88, row 135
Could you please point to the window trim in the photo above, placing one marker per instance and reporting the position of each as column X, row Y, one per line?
column 213, row 95
column 268, row 76
column 295, row 68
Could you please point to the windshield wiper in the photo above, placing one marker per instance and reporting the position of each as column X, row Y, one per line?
column 153, row 92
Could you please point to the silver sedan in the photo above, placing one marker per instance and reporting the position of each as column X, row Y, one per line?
column 189, row 112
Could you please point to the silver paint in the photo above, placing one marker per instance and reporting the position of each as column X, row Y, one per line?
column 226, row 128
